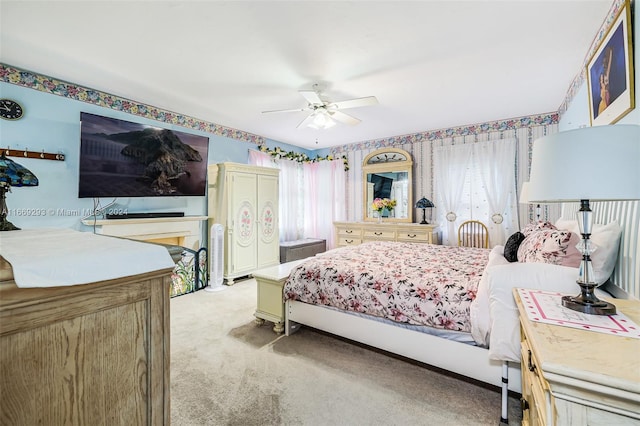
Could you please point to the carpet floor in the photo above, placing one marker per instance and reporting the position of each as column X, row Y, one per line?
column 226, row 370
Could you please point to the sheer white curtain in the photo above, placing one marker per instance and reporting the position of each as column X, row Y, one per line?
column 477, row 181
column 450, row 165
column 312, row 196
column 324, row 199
column 495, row 161
column 291, row 202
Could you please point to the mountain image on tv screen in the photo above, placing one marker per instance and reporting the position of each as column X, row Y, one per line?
column 123, row 159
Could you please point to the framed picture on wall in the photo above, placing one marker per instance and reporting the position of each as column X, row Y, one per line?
column 610, row 73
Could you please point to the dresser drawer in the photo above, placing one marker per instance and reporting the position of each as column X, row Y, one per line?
column 535, row 388
column 348, row 231
column 348, row 241
column 379, row 234
column 416, row 237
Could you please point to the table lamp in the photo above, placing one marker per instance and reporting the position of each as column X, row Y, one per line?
column 587, row 164
column 423, row 203
column 524, row 198
column 12, row 174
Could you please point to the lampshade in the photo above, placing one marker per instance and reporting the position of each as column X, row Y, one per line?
column 424, row 203
column 12, row 174
column 593, row 163
column 524, row 193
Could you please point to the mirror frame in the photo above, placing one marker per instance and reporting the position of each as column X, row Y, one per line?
column 388, row 160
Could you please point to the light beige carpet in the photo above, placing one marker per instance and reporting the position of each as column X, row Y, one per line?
column 225, row 370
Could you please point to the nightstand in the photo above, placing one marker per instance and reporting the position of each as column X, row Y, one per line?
column 270, row 282
column 579, row 377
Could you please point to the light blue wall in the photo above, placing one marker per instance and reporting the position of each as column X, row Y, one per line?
column 577, row 114
column 51, row 123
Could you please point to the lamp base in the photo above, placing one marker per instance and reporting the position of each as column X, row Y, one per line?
column 424, row 218
column 597, row 307
column 5, row 225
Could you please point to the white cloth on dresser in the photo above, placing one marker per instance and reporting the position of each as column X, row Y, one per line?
column 63, row 257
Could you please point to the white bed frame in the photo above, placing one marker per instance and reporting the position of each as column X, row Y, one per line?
column 461, row 358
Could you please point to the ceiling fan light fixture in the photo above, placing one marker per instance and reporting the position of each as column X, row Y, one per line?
column 321, row 120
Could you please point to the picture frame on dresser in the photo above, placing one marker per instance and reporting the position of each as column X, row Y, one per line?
column 610, row 73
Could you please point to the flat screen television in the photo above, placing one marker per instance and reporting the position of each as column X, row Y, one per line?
column 124, row 159
column 381, row 186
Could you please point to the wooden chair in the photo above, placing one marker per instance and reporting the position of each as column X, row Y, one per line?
column 473, row 233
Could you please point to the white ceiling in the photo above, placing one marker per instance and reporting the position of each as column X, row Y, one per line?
column 431, row 64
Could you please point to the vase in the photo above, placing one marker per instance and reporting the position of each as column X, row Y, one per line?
column 379, row 217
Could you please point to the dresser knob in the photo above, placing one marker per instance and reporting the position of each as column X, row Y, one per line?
column 378, row 233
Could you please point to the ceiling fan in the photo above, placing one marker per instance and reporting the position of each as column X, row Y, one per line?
column 324, row 113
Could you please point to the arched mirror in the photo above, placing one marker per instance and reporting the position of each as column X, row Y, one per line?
column 386, row 173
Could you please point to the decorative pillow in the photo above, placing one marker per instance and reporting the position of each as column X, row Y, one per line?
column 512, row 245
column 550, row 246
column 537, row 226
column 606, row 239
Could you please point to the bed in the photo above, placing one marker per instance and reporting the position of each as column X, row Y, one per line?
column 472, row 329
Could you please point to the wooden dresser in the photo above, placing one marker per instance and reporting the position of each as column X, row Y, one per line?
column 579, row 377
column 353, row 233
column 94, row 354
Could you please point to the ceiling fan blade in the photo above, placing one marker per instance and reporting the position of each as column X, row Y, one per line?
column 354, row 103
column 306, row 121
column 312, row 97
column 344, row 118
column 286, row 110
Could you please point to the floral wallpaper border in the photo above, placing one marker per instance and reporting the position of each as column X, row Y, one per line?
column 469, row 130
column 24, row 78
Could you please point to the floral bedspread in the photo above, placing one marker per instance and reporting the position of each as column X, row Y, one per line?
column 412, row 283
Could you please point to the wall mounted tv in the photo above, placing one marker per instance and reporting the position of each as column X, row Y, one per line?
column 123, row 159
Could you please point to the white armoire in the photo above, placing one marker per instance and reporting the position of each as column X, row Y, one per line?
column 244, row 199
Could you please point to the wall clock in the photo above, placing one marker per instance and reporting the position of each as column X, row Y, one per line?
column 10, row 110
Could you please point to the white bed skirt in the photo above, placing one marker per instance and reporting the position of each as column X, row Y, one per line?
column 460, row 358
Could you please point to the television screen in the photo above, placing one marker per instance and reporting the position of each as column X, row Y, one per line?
column 123, row 159
column 381, row 186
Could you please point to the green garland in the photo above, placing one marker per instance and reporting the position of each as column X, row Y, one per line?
column 278, row 153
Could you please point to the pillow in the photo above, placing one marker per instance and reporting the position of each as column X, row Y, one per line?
column 479, row 308
column 512, row 245
column 550, row 246
column 537, row 226
column 606, row 239
column 502, row 329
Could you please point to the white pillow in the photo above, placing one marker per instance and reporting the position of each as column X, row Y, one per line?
column 607, row 240
column 479, row 309
column 504, row 340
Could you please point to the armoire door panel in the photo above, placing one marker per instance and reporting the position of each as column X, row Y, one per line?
column 268, row 235
column 243, row 226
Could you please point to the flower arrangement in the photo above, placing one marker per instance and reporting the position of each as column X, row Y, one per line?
column 380, row 204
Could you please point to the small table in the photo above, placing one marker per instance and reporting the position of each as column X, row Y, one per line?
column 270, row 282
column 573, row 376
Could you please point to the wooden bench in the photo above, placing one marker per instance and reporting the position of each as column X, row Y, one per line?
column 301, row 249
column 270, row 282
